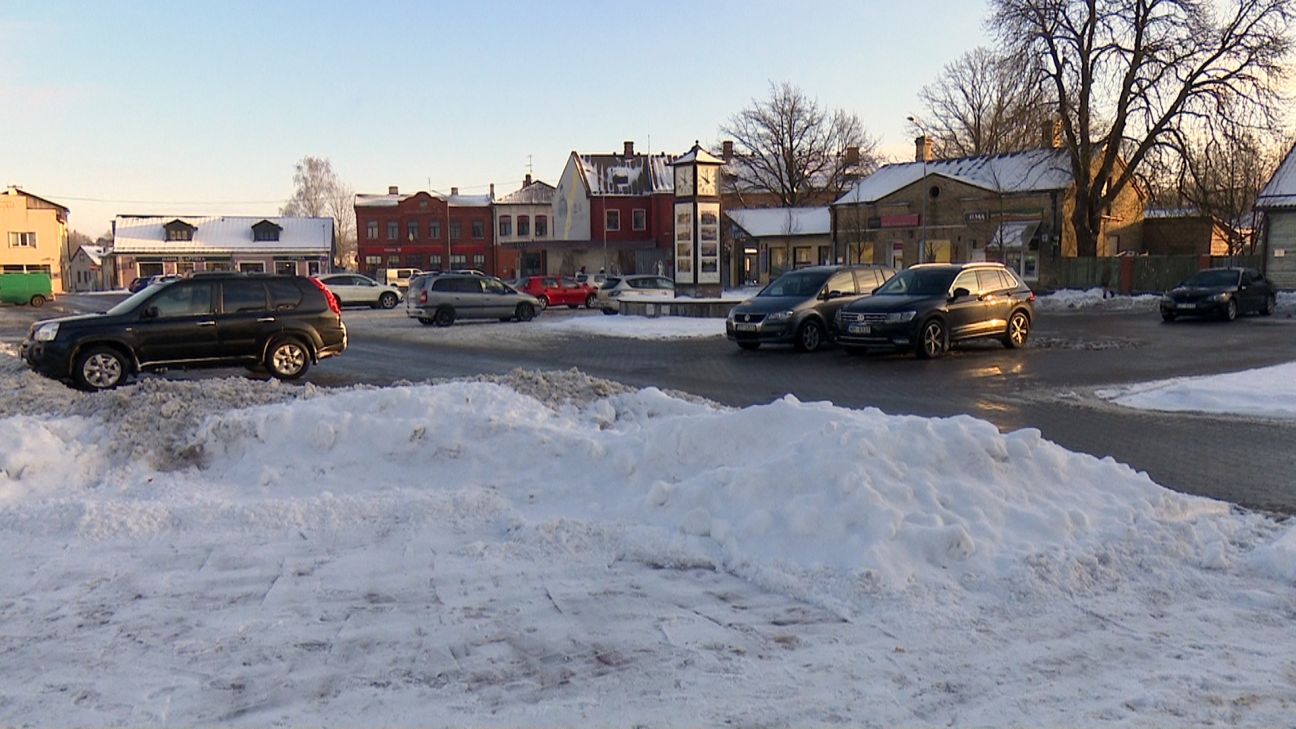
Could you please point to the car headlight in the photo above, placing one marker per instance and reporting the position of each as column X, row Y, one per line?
column 1220, row 297
column 897, row 317
column 47, row 332
column 780, row 315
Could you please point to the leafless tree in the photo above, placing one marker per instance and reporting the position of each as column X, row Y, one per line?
column 319, row 192
column 985, row 103
column 1127, row 73
column 794, row 150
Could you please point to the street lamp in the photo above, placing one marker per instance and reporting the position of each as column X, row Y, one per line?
column 922, row 243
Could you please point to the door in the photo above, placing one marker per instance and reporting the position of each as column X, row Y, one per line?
column 1252, row 291
column 497, row 301
column 841, row 290
column 996, row 295
column 244, row 320
column 470, row 299
column 966, row 312
column 178, row 324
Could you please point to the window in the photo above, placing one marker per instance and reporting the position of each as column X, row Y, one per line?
column 434, row 229
column 435, row 261
column 284, row 295
column 842, row 281
column 524, row 225
column 148, row 269
column 825, row 255
column 393, row 261
column 967, row 280
column 478, row 229
column 373, row 260
column 458, row 261
column 184, row 267
column 639, row 219
column 456, row 229
column 506, row 226
column 493, row 287
column 183, row 299
column 239, row 296
column 412, row 230
column 265, row 231
column 312, row 268
column 252, row 267
column 393, row 230
column 802, row 256
column 22, row 240
column 178, row 231
column 479, row 261
column 542, row 226
column 612, row 220
column 372, row 230
column 285, row 268
column 413, row 260
column 990, row 280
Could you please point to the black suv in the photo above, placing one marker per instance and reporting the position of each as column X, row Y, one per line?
column 799, row 306
column 208, row 320
column 931, row 306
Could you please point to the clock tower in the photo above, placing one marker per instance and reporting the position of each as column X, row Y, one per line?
column 697, row 222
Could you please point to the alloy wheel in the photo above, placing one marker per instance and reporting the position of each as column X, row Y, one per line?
column 288, row 359
column 933, row 339
column 102, row 370
column 1018, row 329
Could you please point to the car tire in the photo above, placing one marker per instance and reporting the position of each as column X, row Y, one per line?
column 387, row 300
column 1230, row 310
column 1018, row 330
column 524, row 312
column 1270, row 304
column 590, row 301
column 933, row 340
column 1167, row 316
column 749, row 346
column 426, row 321
column 809, row 336
column 100, row 368
column 37, row 301
column 287, row 358
column 544, row 301
column 444, row 317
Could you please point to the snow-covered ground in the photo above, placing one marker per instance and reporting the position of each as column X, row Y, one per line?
column 1268, row 392
column 559, row 322
column 547, row 549
column 637, row 327
column 1092, row 300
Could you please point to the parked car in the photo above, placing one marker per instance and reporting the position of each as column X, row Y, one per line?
column 468, row 271
column 558, row 291
column 798, row 307
column 932, row 306
column 615, row 288
column 1222, row 292
column 26, row 288
column 398, row 277
column 444, row 299
column 593, row 280
column 139, row 284
column 284, row 323
column 351, row 288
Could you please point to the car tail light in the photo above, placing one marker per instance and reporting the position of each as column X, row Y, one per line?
column 328, row 296
column 423, row 297
column 1031, row 297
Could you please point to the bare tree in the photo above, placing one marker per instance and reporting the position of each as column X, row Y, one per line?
column 985, row 103
column 795, row 150
column 1127, row 73
column 318, row 192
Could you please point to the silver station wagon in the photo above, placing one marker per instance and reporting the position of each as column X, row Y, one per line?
column 444, row 299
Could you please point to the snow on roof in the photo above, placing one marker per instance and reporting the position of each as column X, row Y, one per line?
column 1172, row 213
column 697, row 154
column 1280, row 192
column 221, row 234
column 614, row 174
column 770, row 222
column 388, row 201
column 469, row 201
column 379, row 201
column 94, row 253
column 1035, row 170
column 536, row 193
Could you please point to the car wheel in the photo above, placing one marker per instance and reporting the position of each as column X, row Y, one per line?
column 444, row 316
column 387, row 300
column 287, row 359
column 544, row 301
column 525, row 312
column 1270, row 304
column 809, row 336
column 426, row 321
column 1230, row 310
column 37, row 301
column 749, row 346
column 100, row 368
column 1167, row 316
column 933, row 340
column 590, row 301
column 1018, row 330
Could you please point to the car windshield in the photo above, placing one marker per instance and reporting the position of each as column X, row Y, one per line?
column 918, row 282
column 1211, row 279
column 134, row 299
column 799, row 284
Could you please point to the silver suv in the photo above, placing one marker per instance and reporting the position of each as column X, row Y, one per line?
column 440, row 300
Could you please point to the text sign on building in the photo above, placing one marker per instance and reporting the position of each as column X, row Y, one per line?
column 900, row 221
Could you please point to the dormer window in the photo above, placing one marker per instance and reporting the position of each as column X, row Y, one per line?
column 266, row 231
column 179, row 230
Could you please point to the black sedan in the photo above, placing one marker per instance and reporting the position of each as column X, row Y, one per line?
column 1221, row 292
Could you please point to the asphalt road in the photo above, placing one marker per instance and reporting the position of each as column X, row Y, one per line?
column 1048, row 386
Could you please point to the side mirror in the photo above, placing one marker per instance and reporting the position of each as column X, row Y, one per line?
column 959, row 293
column 150, row 312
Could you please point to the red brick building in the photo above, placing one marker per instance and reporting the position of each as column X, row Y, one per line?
column 428, row 232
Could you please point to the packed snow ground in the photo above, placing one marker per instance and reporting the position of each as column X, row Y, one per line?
column 1093, row 300
column 1268, row 392
column 548, row 549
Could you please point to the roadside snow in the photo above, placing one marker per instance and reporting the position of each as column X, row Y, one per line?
column 638, row 327
column 1092, row 300
column 544, row 548
column 1265, row 392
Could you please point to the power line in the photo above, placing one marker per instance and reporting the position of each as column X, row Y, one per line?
column 169, row 202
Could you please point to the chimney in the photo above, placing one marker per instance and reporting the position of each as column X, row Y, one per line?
column 629, row 149
column 393, row 190
column 1051, row 134
column 526, row 181
column 852, row 156
column 727, row 154
column 492, row 191
column 922, row 149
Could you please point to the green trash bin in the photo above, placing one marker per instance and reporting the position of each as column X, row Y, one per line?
column 25, row 288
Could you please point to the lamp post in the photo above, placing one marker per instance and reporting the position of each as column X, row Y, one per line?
column 922, row 243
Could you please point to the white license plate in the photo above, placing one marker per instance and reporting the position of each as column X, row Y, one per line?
column 744, row 327
column 1185, row 306
column 858, row 329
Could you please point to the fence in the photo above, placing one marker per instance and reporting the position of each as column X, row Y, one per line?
column 1135, row 274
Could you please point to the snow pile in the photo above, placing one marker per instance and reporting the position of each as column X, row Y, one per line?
column 1268, row 392
column 1285, row 303
column 1092, row 300
column 637, row 327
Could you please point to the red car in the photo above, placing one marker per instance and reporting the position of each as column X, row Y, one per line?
column 558, row 291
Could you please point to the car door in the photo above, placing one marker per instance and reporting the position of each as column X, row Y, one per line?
column 1252, row 291
column 497, row 301
column 473, row 303
column 996, row 296
column 966, row 312
column 343, row 287
column 244, row 319
column 177, row 324
column 839, row 290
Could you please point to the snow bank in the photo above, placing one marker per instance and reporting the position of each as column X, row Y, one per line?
column 1265, row 392
column 637, row 327
column 1092, row 300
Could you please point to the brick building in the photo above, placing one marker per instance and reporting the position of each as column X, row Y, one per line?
column 427, row 231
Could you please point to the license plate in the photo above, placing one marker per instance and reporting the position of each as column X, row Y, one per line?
column 858, row 329
column 744, row 327
column 1185, row 306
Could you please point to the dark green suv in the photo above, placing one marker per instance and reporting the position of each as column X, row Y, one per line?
column 284, row 323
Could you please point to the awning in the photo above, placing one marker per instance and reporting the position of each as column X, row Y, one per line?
column 1014, row 235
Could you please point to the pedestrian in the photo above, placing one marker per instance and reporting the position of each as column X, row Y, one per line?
column 582, row 270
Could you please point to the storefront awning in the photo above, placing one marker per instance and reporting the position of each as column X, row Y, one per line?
column 1015, row 234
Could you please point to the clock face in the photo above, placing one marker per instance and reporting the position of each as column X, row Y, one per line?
column 683, row 181
column 706, row 181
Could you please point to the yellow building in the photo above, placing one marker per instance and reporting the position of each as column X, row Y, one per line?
column 33, row 235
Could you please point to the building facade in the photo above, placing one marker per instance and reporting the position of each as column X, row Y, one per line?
column 85, row 270
column 427, row 231
column 1176, row 231
column 33, row 235
column 774, row 240
column 153, row 245
column 523, row 225
column 1277, row 202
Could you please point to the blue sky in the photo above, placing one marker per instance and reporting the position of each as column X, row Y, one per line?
column 203, row 108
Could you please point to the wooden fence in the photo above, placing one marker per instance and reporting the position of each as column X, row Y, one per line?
column 1135, row 274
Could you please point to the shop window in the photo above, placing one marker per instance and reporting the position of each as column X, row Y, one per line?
column 285, row 268
column 148, row 269
column 479, row 261
column 251, row 267
column 541, row 226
